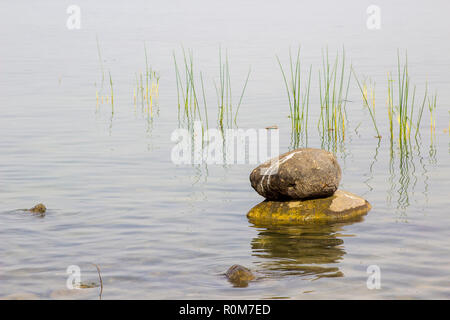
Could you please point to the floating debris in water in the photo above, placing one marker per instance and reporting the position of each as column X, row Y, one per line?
column 38, row 209
column 87, row 285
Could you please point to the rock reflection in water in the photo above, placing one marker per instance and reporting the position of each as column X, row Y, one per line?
column 299, row 250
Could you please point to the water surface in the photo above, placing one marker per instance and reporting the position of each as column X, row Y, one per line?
column 162, row 231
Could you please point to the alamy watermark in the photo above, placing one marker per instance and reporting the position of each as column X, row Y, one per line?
column 213, row 146
column 374, row 279
column 374, row 19
column 74, row 20
column 74, row 279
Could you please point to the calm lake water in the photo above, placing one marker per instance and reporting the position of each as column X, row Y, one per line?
column 163, row 231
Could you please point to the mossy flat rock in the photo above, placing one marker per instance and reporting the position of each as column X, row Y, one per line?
column 341, row 206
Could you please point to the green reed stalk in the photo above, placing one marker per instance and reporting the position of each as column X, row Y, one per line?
column 188, row 98
column 432, row 108
column 419, row 118
column 391, row 110
column 298, row 99
column 242, row 95
column 226, row 114
column 332, row 86
column 366, row 103
column 112, row 93
column 100, row 60
column 204, row 100
column 180, row 90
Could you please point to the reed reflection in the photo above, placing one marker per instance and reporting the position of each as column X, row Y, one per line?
column 407, row 171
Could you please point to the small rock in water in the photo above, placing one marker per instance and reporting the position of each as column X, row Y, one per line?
column 299, row 174
column 39, row 209
column 341, row 206
column 239, row 276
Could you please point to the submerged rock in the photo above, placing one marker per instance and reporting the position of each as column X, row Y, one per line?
column 239, row 276
column 299, row 174
column 38, row 209
column 341, row 206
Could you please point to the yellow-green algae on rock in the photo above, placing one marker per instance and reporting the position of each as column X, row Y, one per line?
column 341, row 206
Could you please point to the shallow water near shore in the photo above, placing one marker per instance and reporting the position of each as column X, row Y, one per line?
column 163, row 231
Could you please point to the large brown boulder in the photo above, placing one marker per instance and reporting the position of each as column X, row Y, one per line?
column 299, row 174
